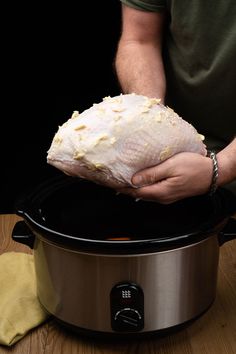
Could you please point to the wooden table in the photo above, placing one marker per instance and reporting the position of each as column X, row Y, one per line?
column 213, row 333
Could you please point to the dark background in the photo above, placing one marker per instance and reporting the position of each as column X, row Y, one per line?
column 56, row 60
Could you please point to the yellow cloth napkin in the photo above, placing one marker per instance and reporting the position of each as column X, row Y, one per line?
column 20, row 309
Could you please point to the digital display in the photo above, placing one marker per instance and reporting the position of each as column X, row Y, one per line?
column 126, row 294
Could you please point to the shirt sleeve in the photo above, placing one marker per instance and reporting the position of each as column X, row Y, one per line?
column 146, row 5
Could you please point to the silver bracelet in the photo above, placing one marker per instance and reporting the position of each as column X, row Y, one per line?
column 215, row 175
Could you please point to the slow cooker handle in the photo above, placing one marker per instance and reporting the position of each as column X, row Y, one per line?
column 22, row 234
column 229, row 231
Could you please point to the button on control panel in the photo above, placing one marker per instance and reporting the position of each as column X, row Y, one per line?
column 127, row 307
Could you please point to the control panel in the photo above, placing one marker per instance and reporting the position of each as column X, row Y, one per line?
column 127, row 307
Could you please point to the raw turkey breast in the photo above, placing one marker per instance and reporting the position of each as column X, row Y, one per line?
column 109, row 142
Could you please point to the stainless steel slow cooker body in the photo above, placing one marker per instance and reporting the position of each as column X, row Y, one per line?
column 97, row 271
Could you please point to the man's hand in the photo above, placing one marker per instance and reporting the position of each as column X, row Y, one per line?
column 183, row 175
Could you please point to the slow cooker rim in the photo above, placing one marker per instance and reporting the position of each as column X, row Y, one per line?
column 121, row 247
column 27, row 208
column 127, row 253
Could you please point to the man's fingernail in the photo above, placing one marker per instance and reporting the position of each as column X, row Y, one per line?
column 137, row 180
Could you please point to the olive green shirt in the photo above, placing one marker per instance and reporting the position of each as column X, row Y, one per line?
column 200, row 63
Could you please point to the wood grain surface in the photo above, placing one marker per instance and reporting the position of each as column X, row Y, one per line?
column 213, row 333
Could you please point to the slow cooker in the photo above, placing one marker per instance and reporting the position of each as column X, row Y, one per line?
column 109, row 265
